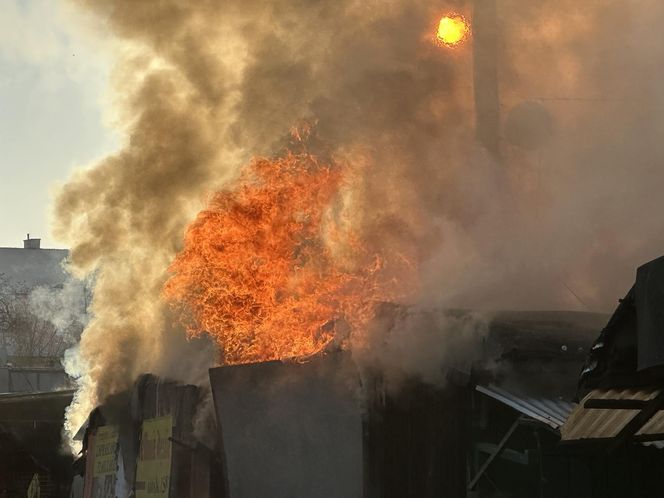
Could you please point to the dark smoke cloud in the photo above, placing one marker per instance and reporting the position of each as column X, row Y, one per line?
column 203, row 86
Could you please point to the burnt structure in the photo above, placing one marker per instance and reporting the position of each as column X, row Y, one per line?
column 415, row 440
column 327, row 428
column 149, row 446
column 521, row 393
column 629, row 352
column 323, row 428
column 290, row 429
column 618, row 427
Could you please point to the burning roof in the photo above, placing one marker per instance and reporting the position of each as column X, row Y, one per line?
column 270, row 272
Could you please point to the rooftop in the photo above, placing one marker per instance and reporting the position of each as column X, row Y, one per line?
column 33, row 266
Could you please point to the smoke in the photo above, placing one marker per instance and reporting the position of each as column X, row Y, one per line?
column 431, row 344
column 560, row 222
column 64, row 306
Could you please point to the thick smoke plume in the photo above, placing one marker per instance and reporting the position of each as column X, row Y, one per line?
column 559, row 222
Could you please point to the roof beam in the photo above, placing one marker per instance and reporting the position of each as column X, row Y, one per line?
column 649, row 438
column 615, row 404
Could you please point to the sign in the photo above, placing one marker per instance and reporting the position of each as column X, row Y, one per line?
column 106, row 451
column 101, row 463
column 153, row 470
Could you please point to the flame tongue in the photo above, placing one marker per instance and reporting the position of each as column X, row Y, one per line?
column 256, row 271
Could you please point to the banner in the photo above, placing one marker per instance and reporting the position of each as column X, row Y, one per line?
column 153, row 470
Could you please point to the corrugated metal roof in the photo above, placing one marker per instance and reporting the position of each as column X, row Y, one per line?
column 552, row 412
column 587, row 423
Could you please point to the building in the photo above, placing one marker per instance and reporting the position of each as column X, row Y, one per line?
column 34, row 390
column 617, row 430
column 491, row 430
column 326, row 428
column 142, row 443
column 32, row 265
column 22, row 270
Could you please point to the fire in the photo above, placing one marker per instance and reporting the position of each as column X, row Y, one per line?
column 257, row 271
column 452, row 30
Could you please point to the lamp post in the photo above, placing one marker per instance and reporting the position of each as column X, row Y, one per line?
column 486, row 42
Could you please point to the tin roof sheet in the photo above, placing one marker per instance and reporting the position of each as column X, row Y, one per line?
column 552, row 412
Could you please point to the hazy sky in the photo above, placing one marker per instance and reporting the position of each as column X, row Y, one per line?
column 53, row 82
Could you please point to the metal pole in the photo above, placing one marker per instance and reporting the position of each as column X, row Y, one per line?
column 485, row 75
column 495, row 454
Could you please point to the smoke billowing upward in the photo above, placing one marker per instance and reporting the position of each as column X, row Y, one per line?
column 559, row 223
column 65, row 307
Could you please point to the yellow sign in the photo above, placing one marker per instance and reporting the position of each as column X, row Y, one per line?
column 153, row 470
column 106, row 451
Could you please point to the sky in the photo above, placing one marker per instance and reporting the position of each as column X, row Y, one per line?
column 53, row 92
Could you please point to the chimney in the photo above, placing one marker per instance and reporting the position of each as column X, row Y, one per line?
column 29, row 243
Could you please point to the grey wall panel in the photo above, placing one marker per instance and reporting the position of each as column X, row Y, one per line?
column 291, row 430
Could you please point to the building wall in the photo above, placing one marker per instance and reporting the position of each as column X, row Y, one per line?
column 33, row 267
column 415, row 441
column 290, row 429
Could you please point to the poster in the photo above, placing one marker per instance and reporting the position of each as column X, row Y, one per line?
column 106, row 451
column 102, row 463
column 105, row 463
column 153, row 470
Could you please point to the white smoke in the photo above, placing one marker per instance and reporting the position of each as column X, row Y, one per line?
column 64, row 306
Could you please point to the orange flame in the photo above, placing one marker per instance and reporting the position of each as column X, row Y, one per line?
column 257, row 272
